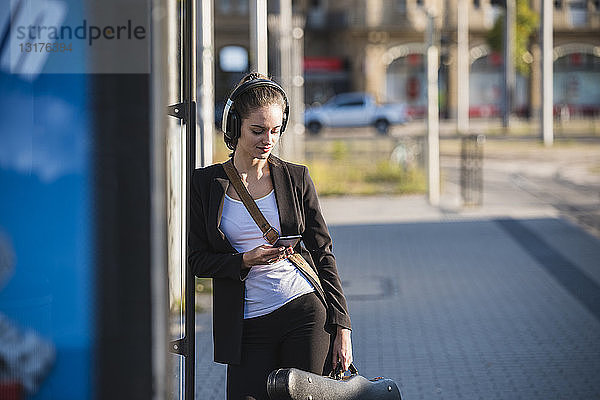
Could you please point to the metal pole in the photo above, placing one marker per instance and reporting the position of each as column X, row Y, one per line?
column 285, row 42
column 297, row 82
column 547, row 72
column 158, row 224
column 433, row 145
column 175, row 175
column 288, row 142
column 462, row 67
column 509, row 63
column 258, row 36
column 186, row 111
column 207, row 92
column 189, row 100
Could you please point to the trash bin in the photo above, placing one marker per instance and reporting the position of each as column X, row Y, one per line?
column 471, row 170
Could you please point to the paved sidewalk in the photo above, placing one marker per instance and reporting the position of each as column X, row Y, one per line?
column 481, row 304
column 467, row 310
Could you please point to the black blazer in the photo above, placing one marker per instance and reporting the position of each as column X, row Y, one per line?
column 211, row 255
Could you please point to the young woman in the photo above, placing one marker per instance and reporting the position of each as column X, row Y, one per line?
column 267, row 314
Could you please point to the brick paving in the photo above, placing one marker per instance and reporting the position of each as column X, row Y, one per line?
column 470, row 315
column 460, row 310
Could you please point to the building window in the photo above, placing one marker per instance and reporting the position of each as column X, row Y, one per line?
column 243, row 7
column 558, row 4
column 401, row 6
column 578, row 13
column 224, row 6
column 233, row 59
column 420, row 3
column 476, row 3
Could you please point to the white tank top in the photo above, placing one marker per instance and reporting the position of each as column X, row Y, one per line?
column 268, row 287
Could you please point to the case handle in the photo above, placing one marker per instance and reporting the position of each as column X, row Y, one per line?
column 338, row 374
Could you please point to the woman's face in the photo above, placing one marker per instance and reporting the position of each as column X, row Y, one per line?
column 260, row 132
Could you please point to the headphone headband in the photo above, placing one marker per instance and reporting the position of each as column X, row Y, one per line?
column 246, row 86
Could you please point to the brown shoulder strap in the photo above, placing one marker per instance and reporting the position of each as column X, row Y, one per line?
column 269, row 233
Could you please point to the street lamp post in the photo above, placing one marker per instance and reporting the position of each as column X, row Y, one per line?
column 462, row 67
column 433, row 123
column 258, row 36
column 547, row 72
column 509, row 63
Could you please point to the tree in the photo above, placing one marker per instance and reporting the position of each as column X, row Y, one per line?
column 527, row 22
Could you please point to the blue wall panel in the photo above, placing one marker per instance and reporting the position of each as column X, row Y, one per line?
column 46, row 218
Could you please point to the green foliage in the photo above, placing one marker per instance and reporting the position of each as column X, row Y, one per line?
column 410, row 180
column 337, row 178
column 494, row 37
column 361, row 177
column 527, row 23
column 346, row 168
column 203, row 285
column 339, row 151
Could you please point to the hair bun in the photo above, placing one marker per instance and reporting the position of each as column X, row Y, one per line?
column 253, row 76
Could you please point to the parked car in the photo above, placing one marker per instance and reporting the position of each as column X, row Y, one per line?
column 355, row 109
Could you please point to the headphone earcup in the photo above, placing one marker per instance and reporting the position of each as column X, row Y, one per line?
column 284, row 122
column 229, row 128
column 235, row 125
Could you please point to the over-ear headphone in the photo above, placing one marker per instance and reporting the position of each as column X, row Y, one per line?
column 232, row 121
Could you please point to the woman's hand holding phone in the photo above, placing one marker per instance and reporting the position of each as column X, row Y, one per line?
column 269, row 254
column 263, row 254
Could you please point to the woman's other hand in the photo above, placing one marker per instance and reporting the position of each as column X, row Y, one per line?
column 342, row 348
column 264, row 254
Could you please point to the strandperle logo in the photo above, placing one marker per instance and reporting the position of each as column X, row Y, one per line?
column 38, row 31
column 83, row 32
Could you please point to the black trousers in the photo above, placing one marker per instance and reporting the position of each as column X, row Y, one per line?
column 292, row 336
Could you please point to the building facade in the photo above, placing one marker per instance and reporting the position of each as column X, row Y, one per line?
column 379, row 46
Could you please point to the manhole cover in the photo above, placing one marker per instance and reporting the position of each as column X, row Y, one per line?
column 368, row 288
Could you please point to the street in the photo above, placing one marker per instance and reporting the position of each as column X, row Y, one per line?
column 564, row 179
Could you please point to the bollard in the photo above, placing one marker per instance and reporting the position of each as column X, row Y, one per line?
column 471, row 170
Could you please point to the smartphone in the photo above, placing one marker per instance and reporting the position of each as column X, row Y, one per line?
column 287, row 241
